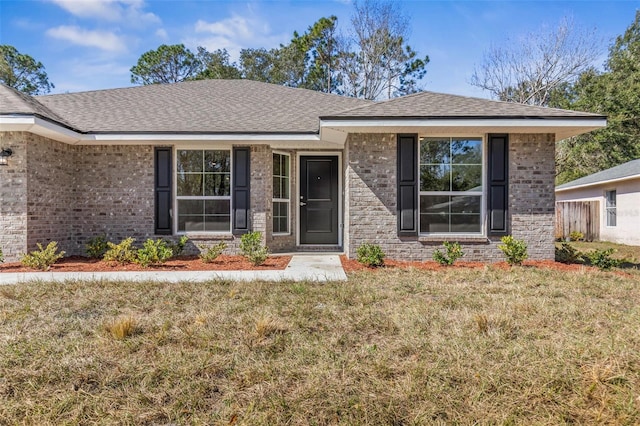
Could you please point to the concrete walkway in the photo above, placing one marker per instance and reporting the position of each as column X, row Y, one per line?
column 303, row 267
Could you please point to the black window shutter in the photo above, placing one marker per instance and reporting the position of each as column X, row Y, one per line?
column 407, row 185
column 240, row 192
column 162, row 159
column 498, row 201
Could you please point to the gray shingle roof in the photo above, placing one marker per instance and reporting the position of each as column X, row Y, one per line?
column 244, row 106
column 13, row 101
column 205, row 106
column 628, row 169
column 439, row 105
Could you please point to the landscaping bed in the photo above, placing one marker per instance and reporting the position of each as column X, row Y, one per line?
column 182, row 263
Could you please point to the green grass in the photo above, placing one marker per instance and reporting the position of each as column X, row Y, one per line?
column 629, row 254
column 392, row 347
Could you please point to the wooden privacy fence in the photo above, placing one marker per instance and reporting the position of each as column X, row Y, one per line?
column 581, row 216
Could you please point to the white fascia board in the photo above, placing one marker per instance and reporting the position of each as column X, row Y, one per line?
column 602, row 182
column 172, row 137
column 33, row 124
column 492, row 122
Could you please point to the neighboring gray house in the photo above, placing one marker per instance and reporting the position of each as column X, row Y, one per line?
column 617, row 191
column 215, row 158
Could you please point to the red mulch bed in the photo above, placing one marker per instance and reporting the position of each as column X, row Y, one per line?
column 183, row 263
column 351, row 265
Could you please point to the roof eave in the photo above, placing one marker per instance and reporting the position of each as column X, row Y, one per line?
column 562, row 127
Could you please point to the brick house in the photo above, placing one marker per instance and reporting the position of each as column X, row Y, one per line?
column 215, row 158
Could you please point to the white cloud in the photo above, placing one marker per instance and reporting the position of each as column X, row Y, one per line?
column 234, row 33
column 103, row 40
column 162, row 33
column 125, row 11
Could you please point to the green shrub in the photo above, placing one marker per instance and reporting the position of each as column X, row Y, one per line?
column 453, row 253
column 97, row 246
column 121, row 253
column 568, row 254
column 1, row 256
column 515, row 250
column 252, row 248
column 178, row 247
column 576, row 236
column 370, row 255
column 602, row 259
column 211, row 253
column 153, row 252
column 42, row 258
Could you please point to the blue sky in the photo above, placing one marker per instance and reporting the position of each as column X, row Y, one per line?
column 92, row 44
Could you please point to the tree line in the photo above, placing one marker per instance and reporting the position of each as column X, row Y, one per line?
column 553, row 67
column 371, row 60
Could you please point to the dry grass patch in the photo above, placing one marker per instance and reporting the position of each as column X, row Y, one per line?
column 406, row 347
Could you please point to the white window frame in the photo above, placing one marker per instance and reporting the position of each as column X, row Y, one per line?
column 482, row 194
column 176, row 197
column 281, row 200
column 608, row 208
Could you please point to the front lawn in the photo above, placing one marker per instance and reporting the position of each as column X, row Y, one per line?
column 526, row 345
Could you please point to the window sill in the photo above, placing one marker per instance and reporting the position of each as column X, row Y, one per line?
column 205, row 236
column 281, row 234
column 478, row 239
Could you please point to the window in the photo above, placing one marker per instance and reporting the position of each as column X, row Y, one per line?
column 280, row 193
column 610, row 207
column 450, row 185
column 203, row 190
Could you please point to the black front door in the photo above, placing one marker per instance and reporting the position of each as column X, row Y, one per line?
column 319, row 199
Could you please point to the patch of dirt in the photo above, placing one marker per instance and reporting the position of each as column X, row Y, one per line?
column 182, row 263
column 352, row 265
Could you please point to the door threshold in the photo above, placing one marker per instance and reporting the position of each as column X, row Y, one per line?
column 314, row 248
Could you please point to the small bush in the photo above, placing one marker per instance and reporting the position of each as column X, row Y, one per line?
column 515, row 250
column 96, row 247
column 568, row 254
column 370, row 255
column 1, row 256
column 453, row 253
column 576, row 236
column 178, row 247
column 121, row 253
column 211, row 253
column 153, row 252
column 42, row 258
column 252, row 248
column 602, row 259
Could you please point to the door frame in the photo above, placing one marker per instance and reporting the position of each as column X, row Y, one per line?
column 301, row 154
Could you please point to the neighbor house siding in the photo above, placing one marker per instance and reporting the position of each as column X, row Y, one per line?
column 13, row 196
column 371, row 199
column 626, row 230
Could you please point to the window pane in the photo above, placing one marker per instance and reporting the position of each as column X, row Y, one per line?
column 276, row 164
column 217, row 185
column 435, row 151
column 285, row 165
column 190, row 223
column 217, row 161
column 217, row 223
column 190, row 161
column 277, row 192
column 217, row 207
column 285, row 188
column 466, row 151
column 611, row 198
column 611, row 217
column 466, row 178
column 280, row 217
column 466, row 223
column 189, row 184
column 435, row 178
column 434, row 204
column 434, row 223
column 190, row 207
column 465, row 204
